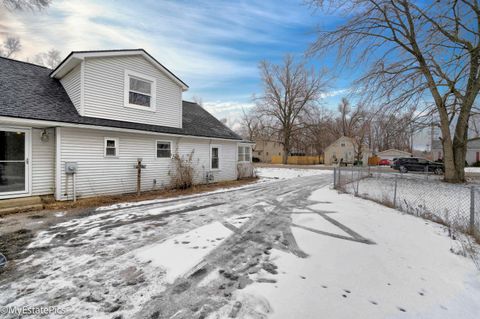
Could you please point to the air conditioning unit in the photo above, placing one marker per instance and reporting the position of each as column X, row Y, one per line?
column 210, row 177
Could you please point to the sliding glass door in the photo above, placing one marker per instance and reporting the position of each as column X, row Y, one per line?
column 13, row 162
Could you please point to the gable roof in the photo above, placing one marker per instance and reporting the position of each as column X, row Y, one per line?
column 393, row 150
column 76, row 57
column 27, row 91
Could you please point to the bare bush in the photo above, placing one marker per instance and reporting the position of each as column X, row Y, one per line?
column 183, row 172
column 246, row 170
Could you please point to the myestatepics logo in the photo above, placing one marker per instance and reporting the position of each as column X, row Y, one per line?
column 28, row 311
column 3, row 261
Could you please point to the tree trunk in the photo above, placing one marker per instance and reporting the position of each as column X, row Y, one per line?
column 454, row 157
column 286, row 147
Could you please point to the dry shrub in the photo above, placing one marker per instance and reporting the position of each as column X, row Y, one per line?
column 246, row 170
column 182, row 174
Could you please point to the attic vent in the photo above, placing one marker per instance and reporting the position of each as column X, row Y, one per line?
column 3, row 261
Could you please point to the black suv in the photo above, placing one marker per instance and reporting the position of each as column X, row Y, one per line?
column 415, row 164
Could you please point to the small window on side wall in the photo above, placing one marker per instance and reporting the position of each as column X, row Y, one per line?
column 111, row 147
column 164, row 149
column 215, row 157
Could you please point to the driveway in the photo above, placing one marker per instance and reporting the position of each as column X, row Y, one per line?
column 282, row 249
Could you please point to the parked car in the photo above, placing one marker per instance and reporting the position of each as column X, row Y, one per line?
column 384, row 162
column 415, row 164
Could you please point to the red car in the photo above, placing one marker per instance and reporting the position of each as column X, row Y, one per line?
column 384, row 162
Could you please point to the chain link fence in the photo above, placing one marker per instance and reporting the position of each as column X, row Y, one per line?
column 420, row 194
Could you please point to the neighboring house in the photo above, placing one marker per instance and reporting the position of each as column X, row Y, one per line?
column 343, row 150
column 473, row 151
column 390, row 154
column 102, row 111
column 265, row 149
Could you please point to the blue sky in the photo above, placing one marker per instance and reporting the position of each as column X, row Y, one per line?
column 214, row 46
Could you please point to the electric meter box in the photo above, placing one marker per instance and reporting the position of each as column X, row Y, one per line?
column 71, row 167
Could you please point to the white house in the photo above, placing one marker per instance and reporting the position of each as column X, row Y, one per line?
column 343, row 150
column 390, row 154
column 473, row 151
column 100, row 111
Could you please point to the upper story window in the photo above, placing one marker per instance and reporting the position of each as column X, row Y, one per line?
column 139, row 91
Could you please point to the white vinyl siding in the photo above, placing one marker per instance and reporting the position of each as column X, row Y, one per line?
column 104, row 92
column 71, row 83
column 43, row 163
column 98, row 175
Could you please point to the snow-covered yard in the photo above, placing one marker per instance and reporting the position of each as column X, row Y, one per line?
column 284, row 248
column 418, row 195
column 286, row 173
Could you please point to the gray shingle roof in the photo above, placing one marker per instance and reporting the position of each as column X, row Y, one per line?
column 27, row 91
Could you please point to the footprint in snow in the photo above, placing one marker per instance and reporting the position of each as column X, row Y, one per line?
column 401, row 309
column 374, row 302
column 324, row 287
column 347, row 291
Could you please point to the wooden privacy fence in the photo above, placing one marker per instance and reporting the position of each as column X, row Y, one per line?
column 299, row 160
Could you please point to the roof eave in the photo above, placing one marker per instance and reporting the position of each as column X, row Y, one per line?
column 76, row 57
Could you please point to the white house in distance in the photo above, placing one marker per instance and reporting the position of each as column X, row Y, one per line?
column 473, row 151
column 343, row 150
column 100, row 111
column 390, row 154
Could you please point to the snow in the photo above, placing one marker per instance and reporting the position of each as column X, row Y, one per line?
column 181, row 253
column 409, row 268
column 287, row 173
column 416, row 195
column 472, row 169
column 316, row 221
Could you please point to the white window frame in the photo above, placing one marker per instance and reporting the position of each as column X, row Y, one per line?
column 143, row 77
column 212, row 146
column 117, row 148
column 245, row 160
column 156, row 149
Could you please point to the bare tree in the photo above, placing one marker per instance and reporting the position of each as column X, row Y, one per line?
column 290, row 91
column 26, row 4
column 49, row 59
column 251, row 126
column 11, row 45
column 416, row 51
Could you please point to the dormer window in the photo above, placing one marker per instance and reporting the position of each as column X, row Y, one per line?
column 139, row 91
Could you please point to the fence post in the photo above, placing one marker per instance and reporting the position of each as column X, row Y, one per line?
column 395, row 193
column 334, row 178
column 339, row 176
column 472, row 208
column 426, row 171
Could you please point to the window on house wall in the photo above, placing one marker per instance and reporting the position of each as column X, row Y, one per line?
column 215, row 157
column 164, row 149
column 111, row 147
column 244, row 154
column 139, row 91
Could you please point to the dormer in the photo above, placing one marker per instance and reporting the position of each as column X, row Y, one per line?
column 124, row 85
